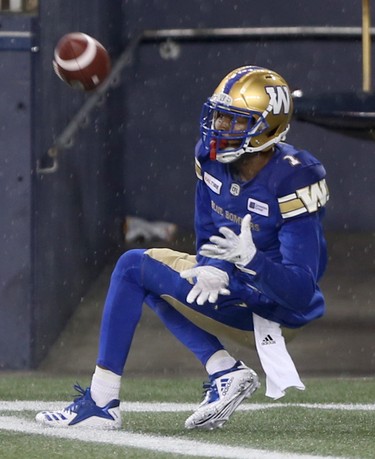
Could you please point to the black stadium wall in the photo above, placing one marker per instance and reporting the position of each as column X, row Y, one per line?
column 134, row 153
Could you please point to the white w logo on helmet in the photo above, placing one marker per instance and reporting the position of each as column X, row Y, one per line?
column 279, row 99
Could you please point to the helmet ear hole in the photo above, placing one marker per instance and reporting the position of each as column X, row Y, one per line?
column 272, row 132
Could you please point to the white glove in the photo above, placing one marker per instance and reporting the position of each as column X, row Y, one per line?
column 239, row 250
column 210, row 283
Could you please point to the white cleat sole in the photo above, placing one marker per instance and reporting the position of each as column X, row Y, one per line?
column 47, row 419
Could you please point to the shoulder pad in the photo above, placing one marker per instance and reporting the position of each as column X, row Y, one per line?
column 200, row 152
column 295, row 169
column 302, row 187
column 201, row 155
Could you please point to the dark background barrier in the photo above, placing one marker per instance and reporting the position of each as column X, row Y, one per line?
column 55, row 228
column 135, row 156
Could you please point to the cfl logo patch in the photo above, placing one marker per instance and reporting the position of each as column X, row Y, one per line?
column 235, row 189
column 279, row 99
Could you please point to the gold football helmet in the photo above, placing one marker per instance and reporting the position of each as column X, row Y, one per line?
column 249, row 111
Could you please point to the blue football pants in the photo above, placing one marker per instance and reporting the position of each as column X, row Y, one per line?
column 152, row 277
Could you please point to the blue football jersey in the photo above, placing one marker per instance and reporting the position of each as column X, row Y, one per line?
column 286, row 201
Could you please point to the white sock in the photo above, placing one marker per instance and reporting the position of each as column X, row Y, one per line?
column 219, row 361
column 105, row 386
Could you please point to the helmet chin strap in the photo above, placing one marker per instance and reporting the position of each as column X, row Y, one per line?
column 271, row 142
column 230, row 156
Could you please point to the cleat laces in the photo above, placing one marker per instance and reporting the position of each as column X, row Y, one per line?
column 77, row 399
column 210, row 392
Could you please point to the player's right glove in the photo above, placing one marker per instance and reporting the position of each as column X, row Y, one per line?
column 210, row 283
column 238, row 249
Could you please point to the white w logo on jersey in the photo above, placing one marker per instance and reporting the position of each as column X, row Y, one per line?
column 305, row 200
column 279, row 99
column 314, row 196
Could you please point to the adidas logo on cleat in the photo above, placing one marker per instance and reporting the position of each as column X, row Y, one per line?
column 225, row 385
column 268, row 340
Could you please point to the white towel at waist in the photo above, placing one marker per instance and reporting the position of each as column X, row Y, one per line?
column 274, row 357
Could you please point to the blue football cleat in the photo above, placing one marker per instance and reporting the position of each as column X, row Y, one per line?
column 83, row 412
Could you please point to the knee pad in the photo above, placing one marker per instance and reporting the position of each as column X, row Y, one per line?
column 129, row 264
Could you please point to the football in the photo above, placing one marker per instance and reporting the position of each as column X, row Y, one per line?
column 81, row 61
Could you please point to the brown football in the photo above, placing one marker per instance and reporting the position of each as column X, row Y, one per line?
column 81, row 61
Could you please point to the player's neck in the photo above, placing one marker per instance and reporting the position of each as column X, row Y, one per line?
column 248, row 165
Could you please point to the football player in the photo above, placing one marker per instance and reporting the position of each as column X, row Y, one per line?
column 260, row 254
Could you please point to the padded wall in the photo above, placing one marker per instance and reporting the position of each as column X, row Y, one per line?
column 59, row 228
column 75, row 209
column 15, row 193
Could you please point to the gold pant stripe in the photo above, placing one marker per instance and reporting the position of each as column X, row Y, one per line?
column 178, row 261
column 244, row 337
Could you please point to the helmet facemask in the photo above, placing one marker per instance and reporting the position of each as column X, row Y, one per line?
column 226, row 145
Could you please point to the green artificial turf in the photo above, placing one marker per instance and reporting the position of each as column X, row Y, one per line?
column 287, row 428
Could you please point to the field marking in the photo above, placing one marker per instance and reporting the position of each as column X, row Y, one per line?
column 35, row 405
column 172, row 445
column 165, row 444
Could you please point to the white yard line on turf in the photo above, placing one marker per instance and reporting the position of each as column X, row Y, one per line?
column 36, row 405
column 154, row 443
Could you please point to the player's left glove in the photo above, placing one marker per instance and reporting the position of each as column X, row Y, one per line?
column 210, row 283
column 237, row 249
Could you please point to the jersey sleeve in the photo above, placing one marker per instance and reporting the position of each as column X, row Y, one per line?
column 301, row 194
column 304, row 190
column 293, row 281
column 204, row 226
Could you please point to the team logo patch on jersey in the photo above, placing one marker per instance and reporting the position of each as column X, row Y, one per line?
column 258, row 207
column 213, row 183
